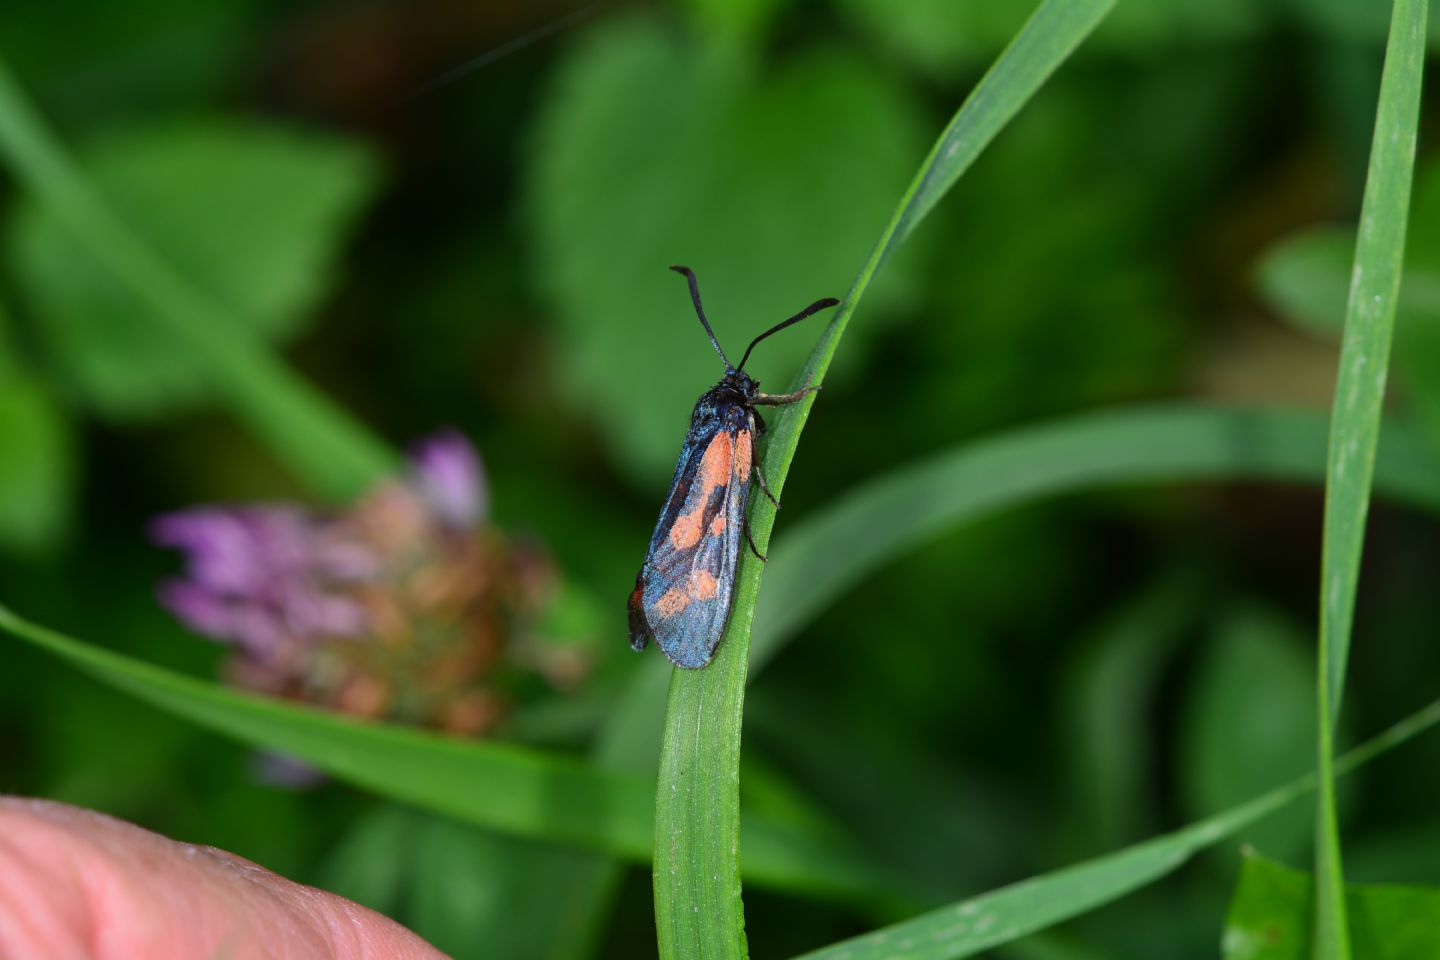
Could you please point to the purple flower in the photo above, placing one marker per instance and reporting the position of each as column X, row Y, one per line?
column 263, row 577
column 450, row 479
column 403, row 604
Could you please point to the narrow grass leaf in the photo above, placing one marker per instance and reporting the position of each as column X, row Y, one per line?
column 332, row 452
column 825, row 555
column 698, row 909
column 510, row 789
column 1355, row 424
column 964, row 929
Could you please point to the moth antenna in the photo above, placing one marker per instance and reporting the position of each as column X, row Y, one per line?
column 700, row 311
column 814, row 308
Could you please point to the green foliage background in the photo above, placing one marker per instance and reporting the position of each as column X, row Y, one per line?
column 1170, row 219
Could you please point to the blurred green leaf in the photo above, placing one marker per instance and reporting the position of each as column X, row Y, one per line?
column 942, row 37
column 330, row 450
column 251, row 213
column 1112, row 687
column 964, row 929
column 1144, row 28
column 1355, row 425
column 462, row 896
column 136, row 57
column 771, row 186
column 36, row 464
column 460, row 887
column 1403, row 853
column 1305, row 278
column 510, row 789
column 698, row 908
column 948, row 37
column 737, row 24
column 373, row 862
column 1351, row 21
column 828, row 553
column 1045, row 947
column 1272, row 913
column 1249, row 718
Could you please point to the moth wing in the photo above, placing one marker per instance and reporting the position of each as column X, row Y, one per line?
column 688, row 579
column 640, row 632
column 695, row 443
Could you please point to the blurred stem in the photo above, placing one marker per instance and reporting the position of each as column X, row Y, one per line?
column 333, row 453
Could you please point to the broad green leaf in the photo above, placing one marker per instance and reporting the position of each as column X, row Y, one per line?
column 328, row 449
column 771, row 185
column 697, row 867
column 507, row 788
column 1249, row 718
column 1272, row 912
column 37, row 465
column 252, row 214
column 1355, row 425
column 980, row 923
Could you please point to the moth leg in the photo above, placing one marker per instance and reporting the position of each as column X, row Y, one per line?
column 779, row 399
column 751, row 540
column 765, row 487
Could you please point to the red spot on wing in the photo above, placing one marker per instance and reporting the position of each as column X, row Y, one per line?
column 702, row 585
column 685, row 531
column 715, row 465
column 717, row 526
column 671, row 602
column 742, row 456
column 715, row 469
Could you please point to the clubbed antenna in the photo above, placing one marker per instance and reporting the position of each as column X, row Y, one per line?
column 814, row 308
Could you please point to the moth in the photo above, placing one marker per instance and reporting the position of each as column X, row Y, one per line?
column 686, row 586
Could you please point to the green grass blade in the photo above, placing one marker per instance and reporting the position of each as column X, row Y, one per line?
column 824, row 555
column 964, row 929
column 505, row 787
column 327, row 448
column 1355, row 425
column 510, row 789
column 1369, row 325
column 698, row 909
